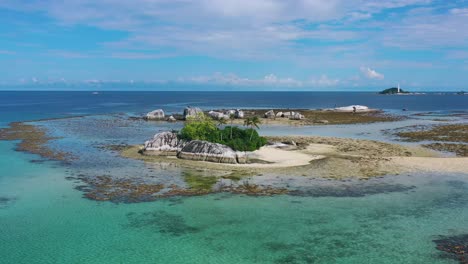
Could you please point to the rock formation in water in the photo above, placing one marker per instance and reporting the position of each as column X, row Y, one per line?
column 191, row 112
column 157, row 114
column 164, row 143
column 214, row 152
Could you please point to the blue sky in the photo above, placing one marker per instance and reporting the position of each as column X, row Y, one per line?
column 325, row 45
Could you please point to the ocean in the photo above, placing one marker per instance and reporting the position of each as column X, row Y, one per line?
column 44, row 217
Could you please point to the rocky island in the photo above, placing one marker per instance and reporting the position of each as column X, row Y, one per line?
column 394, row 90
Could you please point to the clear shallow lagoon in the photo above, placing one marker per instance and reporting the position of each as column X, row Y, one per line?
column 43, row 219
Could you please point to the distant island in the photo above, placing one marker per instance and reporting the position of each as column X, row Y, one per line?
column 394, row 90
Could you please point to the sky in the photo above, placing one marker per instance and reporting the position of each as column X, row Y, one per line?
column 316, row 45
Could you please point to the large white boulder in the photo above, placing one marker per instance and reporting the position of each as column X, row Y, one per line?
column 192, row 112
column 164, row 143
column 352, row 108
column 270, row 114
column 157, row 114
column 212, row 152
column 217, row 115
column 239, row 114
column 296, row 116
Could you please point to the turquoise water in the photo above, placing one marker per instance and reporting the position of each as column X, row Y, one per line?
column 44, row 219
column 47, row 221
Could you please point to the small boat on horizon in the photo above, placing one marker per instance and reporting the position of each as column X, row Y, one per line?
column 95, row 92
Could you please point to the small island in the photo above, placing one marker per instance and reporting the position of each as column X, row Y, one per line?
column 394, row 90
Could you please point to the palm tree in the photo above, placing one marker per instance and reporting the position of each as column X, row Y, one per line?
column 232, row 117
column 221, row 122
column 252, row 122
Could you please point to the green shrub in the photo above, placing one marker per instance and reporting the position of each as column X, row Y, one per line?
column 204, row 128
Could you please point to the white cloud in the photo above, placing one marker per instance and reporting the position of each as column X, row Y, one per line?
column 233, row 79
column 222, row 28
column 268, row 80
column 371, row 74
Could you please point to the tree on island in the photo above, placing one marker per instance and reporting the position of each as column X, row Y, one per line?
column 252, row 122
column 232, row 117
column 202, row 127
column 222, row 122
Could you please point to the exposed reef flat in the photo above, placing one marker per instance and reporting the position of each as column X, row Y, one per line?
column 321, row 117
column 309, row 116
column 449, row 138
column 33, row 139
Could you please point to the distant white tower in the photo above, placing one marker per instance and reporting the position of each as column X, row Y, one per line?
column 398, row 88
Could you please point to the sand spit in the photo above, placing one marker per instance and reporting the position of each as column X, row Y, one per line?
column 328, row 157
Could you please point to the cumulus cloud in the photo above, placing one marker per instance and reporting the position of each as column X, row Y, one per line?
column 371, row 74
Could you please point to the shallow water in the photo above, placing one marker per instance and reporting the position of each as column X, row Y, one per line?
column 49, row 222
column 44, row 219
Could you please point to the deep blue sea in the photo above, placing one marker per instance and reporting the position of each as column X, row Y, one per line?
column 34, row 105
column 45, row 219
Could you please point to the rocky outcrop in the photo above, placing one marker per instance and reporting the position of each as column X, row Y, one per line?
column 157, row 114
column 230, row 112
column 239, row 114
column 165, row 143
column 213, row 152
column 217, row 115
column 270, row 114
column 171, row 119
column 192, row 112
column 296, row 116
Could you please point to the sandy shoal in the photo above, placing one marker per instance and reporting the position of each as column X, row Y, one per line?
column 451, row 165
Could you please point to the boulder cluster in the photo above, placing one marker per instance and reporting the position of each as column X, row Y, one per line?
column 239, row 114
column 168, row 143
column 190, row 111
column 289, row 114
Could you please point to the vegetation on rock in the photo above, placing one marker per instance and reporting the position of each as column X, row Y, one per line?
column 204, row 128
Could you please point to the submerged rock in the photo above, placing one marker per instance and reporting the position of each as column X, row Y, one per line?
column 455, row 247
column 191, row 112
column 213, row 152
column 157, row 114
column 165, row 142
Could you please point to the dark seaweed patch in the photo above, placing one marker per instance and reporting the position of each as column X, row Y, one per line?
column 455, row 247
column 162, row 222
column 5, row 201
